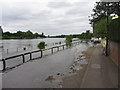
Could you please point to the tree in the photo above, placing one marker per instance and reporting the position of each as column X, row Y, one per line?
column 86, row 35
column 36, row 35
column 102, row 11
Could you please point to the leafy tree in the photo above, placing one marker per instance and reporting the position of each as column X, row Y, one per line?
column 21, row 35
column 86, row 35
column 104, row 9
column 101, row 14
column 36, row 35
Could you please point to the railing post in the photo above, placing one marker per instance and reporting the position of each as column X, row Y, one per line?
column 7, row 51
column 52, row 50
column 63, row 47
column 17, row 49
column 4, row 65
column 30, row 56
column 41, row 53
column 23, row 58
column 58, row 48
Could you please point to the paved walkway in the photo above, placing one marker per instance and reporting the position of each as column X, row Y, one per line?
column 101, row 71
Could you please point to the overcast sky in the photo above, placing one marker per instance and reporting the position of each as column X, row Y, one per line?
column 53, row 17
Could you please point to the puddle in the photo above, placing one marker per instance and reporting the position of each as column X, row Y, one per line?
column 96, row 66
column 50, row 78
column 56, row 80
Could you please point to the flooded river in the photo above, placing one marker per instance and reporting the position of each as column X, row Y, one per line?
column 13, row 47
column 47, row 72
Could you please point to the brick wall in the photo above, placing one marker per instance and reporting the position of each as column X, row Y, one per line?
column 115, row 52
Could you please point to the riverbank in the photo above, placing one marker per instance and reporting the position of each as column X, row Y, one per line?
column 100, row 72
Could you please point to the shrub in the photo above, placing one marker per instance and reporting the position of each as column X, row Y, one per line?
column 41, row 45
column 68, row 41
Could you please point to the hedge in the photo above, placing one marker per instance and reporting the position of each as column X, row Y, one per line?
column 114, row 30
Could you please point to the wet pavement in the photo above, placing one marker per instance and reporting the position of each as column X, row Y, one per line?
column 48, row 71
column 101, row 71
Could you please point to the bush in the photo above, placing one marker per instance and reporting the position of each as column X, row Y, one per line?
column 41, row 45
column 68, row 41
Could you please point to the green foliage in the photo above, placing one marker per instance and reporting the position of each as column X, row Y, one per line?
column 101, row 11
column 86, row 35
column 41, row 45
column 114, row 30
column 101, row 8
column 100, row 28
column 22, row 35
column 68, row 41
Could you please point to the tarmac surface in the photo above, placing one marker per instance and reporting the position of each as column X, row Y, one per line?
column 101, row 71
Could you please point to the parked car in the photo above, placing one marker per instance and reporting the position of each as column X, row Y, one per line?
column 95, row 40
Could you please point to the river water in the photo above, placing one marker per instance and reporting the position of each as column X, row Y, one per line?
column 36, row 73
column 13, row 47
column 47, row 72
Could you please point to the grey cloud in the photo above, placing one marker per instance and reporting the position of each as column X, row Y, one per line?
column 42, row 15
column 48, row 20
column 69, row 20
column 58, row 4
column 14, row 14
column 80, row 8
column 78, row 11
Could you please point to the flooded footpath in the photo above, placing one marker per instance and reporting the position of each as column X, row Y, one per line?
column 49, row 71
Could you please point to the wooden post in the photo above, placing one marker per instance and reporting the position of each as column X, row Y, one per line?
column 7, row 51
column 4, row 65
column 52, row 50
column 63, row 47
column 58, row 48
column 30, row 56
column 23, row 58
column 41, row 53
column 17, row 49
